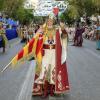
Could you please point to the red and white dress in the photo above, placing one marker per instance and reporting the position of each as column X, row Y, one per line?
column 54, row 67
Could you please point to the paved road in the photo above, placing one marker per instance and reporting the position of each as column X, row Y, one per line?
column 84, row 72
column 13, row 80
column 83, row 69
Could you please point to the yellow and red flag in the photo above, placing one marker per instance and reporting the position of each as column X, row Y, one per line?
column 39, row 48
column 33, row 48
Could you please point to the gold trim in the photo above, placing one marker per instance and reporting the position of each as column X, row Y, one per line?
column 56, row 92
column 34, row 94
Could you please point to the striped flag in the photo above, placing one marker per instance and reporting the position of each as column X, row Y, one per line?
column 39, row 48
column 33, row 48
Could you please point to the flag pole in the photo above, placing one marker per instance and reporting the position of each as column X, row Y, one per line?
column 5, row 68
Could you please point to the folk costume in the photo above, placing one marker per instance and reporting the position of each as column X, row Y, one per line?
column 52, row 75
column 78, row 39
column 49, row 47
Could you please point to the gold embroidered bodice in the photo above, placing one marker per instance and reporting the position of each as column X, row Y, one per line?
column 50, row 35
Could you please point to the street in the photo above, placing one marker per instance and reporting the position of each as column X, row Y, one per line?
column 13, row 79
column 83, row 69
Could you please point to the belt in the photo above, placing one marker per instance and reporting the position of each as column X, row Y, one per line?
column 46, row 46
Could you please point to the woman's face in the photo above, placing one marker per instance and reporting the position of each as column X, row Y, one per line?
column 50, row 22
column 41, row 29
column 62, row 24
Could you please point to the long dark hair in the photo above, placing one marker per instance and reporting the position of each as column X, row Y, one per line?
column 36, row 28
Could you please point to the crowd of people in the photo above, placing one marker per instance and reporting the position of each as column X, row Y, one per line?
column 90, row 32
column 27, row 32
column 77, row 33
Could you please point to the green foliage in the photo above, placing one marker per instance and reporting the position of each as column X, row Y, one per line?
column 25, row 16
column 1, row 4
column 78, row 8
column 66, row 16
column 15, row 9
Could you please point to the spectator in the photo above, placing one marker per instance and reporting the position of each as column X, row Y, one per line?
column 98, row 36
column 3, row 38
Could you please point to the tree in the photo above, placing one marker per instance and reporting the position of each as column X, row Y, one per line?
column 1, row 4
column 96, row 6
column 88, row 7
column 78, row 8
column 10, row 6
column 15, row 10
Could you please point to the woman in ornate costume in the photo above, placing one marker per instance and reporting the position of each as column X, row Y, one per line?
column 52, row 76
column 78, row 39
